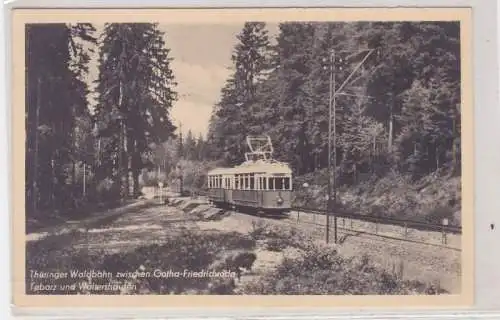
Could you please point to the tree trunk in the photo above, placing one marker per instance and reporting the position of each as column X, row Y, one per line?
column 454, row 146
column 127, row 161
column 391, row 131
column 135, row 169
column 437, row 157
column 35, row 162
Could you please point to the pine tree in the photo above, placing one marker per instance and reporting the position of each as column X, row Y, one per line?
column 234, row 111
column 135, row 95
column 190, row 146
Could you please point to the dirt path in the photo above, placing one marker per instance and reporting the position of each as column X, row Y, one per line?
column 94, row 219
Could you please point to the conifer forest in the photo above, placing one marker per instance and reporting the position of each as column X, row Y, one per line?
column 116, row 188
column 397, row 114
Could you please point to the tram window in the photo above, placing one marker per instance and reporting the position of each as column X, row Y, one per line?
column 278, row 183
column 286, row 185
column 264, row 183
column 271, row 183
column 252, row 182
column 236, row 182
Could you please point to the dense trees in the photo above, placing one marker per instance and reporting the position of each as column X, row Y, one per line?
column 57, row 117
column 135, row 89
column 66, row 143
column 399, row 110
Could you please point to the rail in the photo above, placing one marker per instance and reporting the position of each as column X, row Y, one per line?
column 408, row 223
column 356, row 231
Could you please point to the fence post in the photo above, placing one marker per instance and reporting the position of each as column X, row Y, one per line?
column 445, row 223
column 305, row 185
column 160, row 184
column 351, row 223
column 406, row 230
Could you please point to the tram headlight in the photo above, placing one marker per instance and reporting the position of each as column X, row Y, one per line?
column 279, row 200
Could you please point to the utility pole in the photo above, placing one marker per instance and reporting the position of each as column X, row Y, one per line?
column 334, row 177
column 330, row 105
column 332, row 117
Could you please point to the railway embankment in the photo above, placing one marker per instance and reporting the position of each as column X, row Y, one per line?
column 429, row 199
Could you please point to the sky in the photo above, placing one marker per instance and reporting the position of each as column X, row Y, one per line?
column 201, row 61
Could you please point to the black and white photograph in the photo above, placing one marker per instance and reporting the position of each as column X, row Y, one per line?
column 248, row 158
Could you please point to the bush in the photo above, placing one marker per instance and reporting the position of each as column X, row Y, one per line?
column 321, row 270
column 107, row 189
column 278, row 237
column 276, row 245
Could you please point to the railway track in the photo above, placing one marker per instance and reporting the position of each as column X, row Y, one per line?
column 407, row 226
column 362, row 231
column 413, row 224
column 358, row 232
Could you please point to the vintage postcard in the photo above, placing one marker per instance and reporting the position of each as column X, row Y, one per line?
column 276, row 157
